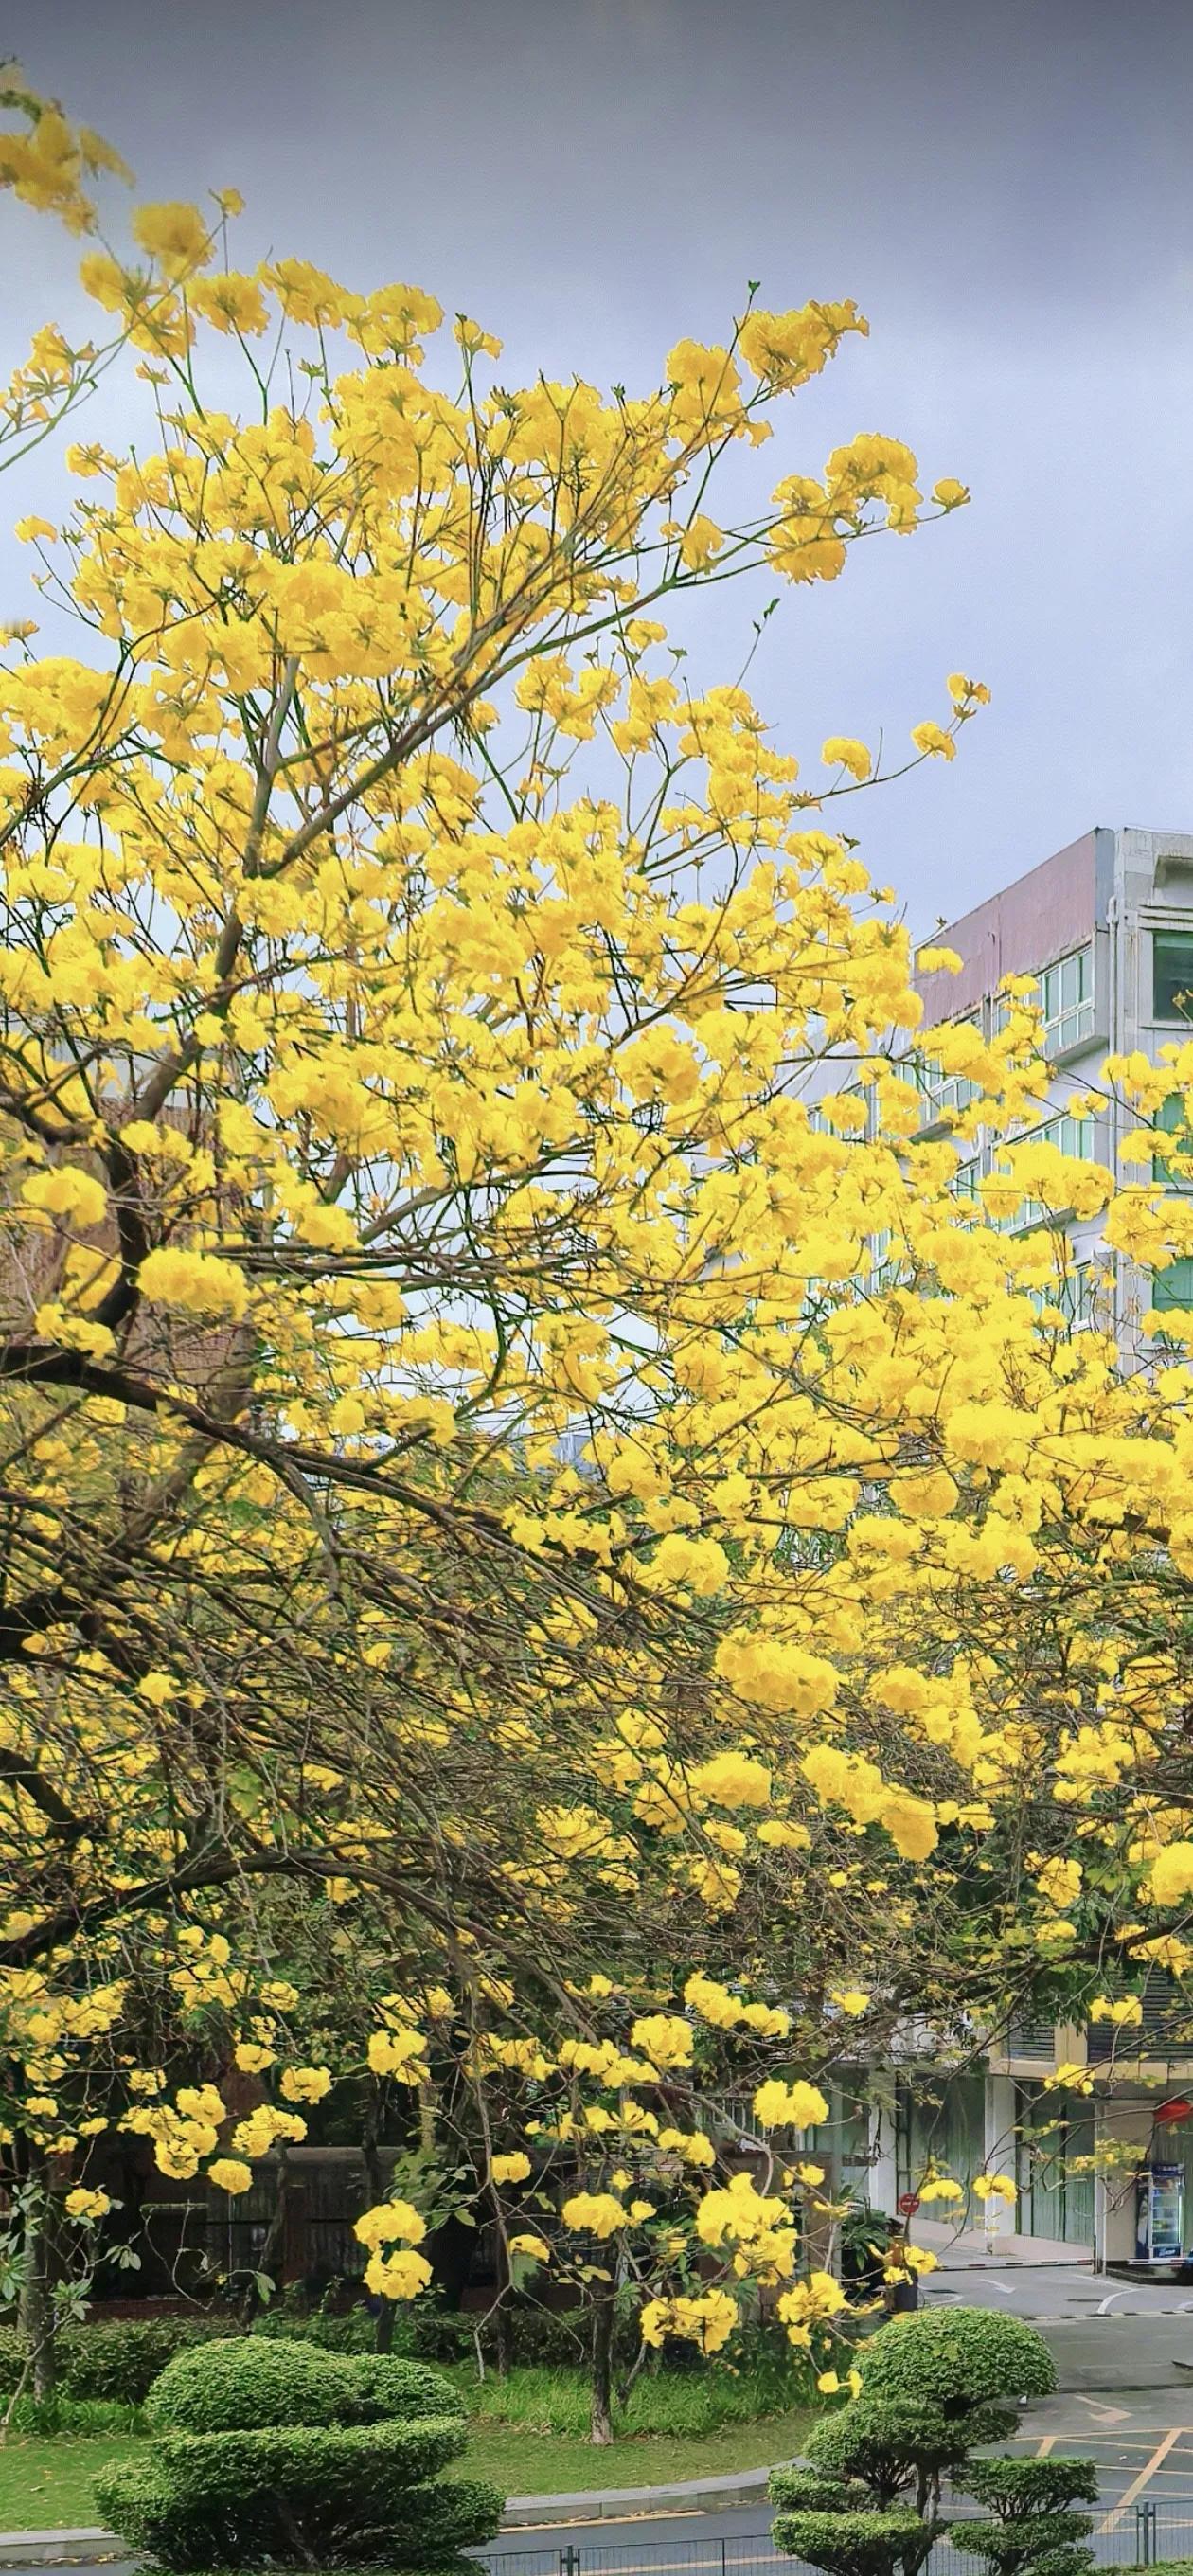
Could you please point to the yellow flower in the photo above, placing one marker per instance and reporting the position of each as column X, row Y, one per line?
column 397, row 2276
column 81, row 2203
column 594, row 2213
column 397, row 2053
column 201, row 1283
column 931, row 741
column 391, row 2221
column 305, row 2083
column 510, row 2168
column 176, row 236
column 796, row 2106
column 664, row 2038
column 842, row 752
column 68, row 1193
column 229, row 2174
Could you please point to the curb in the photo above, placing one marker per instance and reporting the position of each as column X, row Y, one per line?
column 626, row 2504
column 81, row 2547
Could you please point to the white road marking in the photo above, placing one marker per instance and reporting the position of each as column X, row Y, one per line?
column 1105, row 2305
column 1109, row 2414
column 1001, row 2285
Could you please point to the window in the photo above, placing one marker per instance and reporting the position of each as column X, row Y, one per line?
column 1078, row 1299
column 1171, row 1119
column 964, row 1183
column 1172, row 975
column 1174, row 1286
column 1067, row 1001
column 1071, row 1136
column 945, row 1095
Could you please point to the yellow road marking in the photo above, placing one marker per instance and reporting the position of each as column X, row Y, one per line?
column 1045, row 2446
column 1138, row 2484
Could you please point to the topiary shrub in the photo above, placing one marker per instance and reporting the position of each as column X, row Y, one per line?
column 853, row 2544
column 278, row 2453
column 887, row 2445
column 1031, row 2526
column 955, row 2359
column 933, row 2389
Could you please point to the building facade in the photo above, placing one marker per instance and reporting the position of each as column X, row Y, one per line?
column 1105, row 927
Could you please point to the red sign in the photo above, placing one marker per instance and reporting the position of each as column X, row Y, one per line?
column 1169, row 2114
column 909, row 2201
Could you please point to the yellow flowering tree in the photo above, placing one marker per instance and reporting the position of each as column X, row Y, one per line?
column 507, row 1425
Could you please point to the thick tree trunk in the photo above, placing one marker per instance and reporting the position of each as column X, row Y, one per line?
column 35, row 2315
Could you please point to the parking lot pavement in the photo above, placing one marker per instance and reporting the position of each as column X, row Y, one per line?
column 1051, row 2292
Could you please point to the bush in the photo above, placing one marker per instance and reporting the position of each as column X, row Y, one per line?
column 807, row 2491
column 243, row 2384
column 852, row 2544
column 885, row 2444
column 116, row 2360
column 1031, row 2528
column 955, row 2358
column 275, row 2452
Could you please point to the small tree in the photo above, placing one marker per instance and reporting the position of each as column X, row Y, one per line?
column 933, row 2388
column 283, row 2453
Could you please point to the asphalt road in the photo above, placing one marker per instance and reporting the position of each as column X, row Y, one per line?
column 1143, row 2450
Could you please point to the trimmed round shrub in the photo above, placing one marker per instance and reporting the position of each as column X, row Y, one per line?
column 807, row 2491
column 1024, row 2487
column 1031, row 2527
column 880, row 2441
column 272, row 2453
column 956, row 2358
column 849, row 2544
column 242, row 2383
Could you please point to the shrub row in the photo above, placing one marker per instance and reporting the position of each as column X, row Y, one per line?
column 117, row 2359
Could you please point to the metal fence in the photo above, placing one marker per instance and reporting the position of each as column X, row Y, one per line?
column 1141, row 2535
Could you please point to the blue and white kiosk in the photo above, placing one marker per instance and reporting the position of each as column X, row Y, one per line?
column 1159, row 2214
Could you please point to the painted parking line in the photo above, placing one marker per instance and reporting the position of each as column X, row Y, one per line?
column 1046, row 2446
column 1162, row 2449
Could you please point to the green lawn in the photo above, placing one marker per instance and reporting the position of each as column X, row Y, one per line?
column 44, row 2483
column 47, row 2482
column 552, row 2464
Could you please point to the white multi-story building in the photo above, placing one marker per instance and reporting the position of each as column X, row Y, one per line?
column 1106, row 928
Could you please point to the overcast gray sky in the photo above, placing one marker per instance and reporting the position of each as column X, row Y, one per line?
column 1008, row 193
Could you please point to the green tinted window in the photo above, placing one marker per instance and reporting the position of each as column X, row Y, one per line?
column 1172, row 975
column 1174, row 1286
